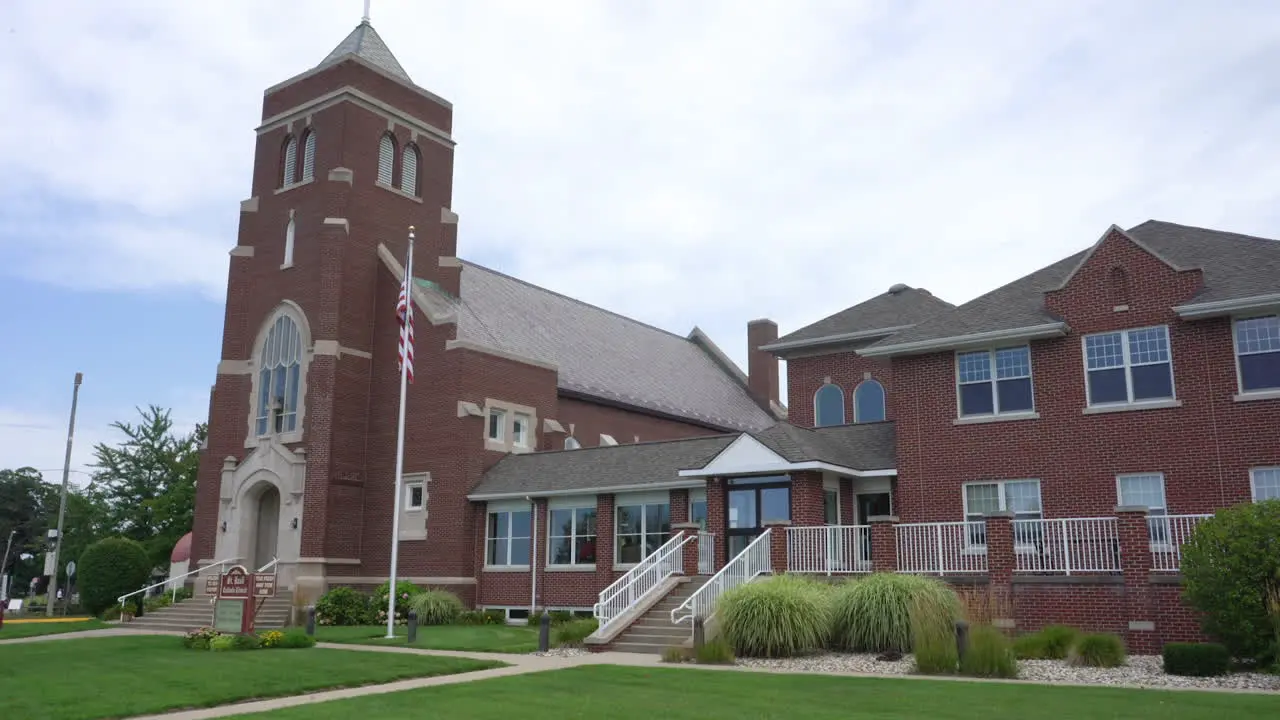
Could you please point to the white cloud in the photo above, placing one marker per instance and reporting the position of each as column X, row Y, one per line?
column 684, row 163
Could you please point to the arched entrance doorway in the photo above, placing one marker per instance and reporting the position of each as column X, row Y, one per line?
column 266, row 526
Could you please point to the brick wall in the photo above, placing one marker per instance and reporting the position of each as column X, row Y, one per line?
column 590, row 419
column 846, row 369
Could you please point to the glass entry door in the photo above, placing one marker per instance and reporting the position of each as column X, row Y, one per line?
column 870, row 505
column 752, row 502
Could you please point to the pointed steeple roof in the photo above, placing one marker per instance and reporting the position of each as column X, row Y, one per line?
column 364, row 42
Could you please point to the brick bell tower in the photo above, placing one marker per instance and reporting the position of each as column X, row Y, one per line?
column 349, row 154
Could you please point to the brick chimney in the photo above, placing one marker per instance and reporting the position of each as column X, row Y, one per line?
column 762, row 366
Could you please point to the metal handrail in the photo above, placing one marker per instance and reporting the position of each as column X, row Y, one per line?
column 219, row 563
column 648, row 574
column 273, row 562
column 738, row 571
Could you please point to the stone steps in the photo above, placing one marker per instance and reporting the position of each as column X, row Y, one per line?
column 654, row 632
column 198, row 612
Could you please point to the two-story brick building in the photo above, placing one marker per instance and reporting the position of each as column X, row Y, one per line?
column 1052, row 440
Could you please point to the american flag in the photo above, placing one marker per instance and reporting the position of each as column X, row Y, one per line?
column 404, row 314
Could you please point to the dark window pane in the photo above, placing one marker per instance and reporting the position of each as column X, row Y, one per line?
column 1107, row 386
column 742, row 508
column 629, row 550
column 415, row 497
column 586, row 550
column 975, row 399
column 657, row 518
column 561, row 522
column 1260, row 372
column 868, row 402
column 653, row 541
column 828, row 406
column 830, row 507
column 499, row 524
column 1015, row 395
column 520, row 552
column 628, row 519
column 1152, row 381
column 560, row 547
column 520, row 524
column 738, row 543
column 497, row 552
column 586, row 521
column 775, row 504
column 698, row 513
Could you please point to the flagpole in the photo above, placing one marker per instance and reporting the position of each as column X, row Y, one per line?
column 404, row 386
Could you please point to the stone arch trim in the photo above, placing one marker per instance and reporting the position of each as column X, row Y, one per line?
column 294, row 312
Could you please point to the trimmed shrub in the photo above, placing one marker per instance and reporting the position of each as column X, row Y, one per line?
column 343, row 606
column 574, row 631
column 270, row 638
column 1229, row 566
column 873, row 614
column 1196, row 659
column 405, row 591
column 714, row 652
column 781, row 616
column 110, row 568
column 1051, row 643
column 223, row 643
column 199, row 639
column 675, row 654
column 480, row 617
column 989, row 655
column 435, row 607
column 1097, row 650
column 295, row 638
column 933, row 642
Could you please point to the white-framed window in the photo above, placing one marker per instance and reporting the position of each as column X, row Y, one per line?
column 698, row 508
column 1265, row 482
column 386, row 159
column 279, row 377
column 828, row 405
column 309, row 156
column 497, row 430
column 571, row 532
column 1128, row 366
column 520, row 430
column 641, row 526
column 288, row 242
column 415, row 496
column 289, row 169
column 1021, row 497
column 571, row 443
column 1146, row 490
column 868, row 402
column 831, row 501
column 409, row 169
column 507, row 536
column 994, row 382
column 1257, row 342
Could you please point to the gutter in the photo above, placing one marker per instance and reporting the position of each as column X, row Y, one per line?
column 1031, row 332
column 833, row 339
column 1227, row 307
column 634, row 487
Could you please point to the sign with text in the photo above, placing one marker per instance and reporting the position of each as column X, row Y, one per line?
column 211, row 584
column 264, row 586
column 235, row 583
column 229, row 615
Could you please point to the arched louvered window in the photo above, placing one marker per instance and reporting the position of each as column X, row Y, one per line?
column 279, row 375
column 289, row 173
column 288, row 244
column 309, row 156
column 828, row 406
column 409, row 170
column 868, row 402
column 386, row 159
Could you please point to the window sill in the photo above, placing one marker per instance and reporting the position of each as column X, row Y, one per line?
column 1127, row 407
column 1257, row 395
column 282, row 438
column 506, row 568
column 399, row 192
column 520, row 449
column 624, row 568
column 411, row 536
column 286, row 266
column 570, row 568
column 1007, row 417
column 495, row 445
column 287, row 188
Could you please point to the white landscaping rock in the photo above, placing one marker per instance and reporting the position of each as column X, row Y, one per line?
column 562, row 652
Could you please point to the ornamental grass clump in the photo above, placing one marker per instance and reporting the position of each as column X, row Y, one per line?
column 1051, row 643
column 874, row 614
column 989, row 655
column 933, row 640
column 1103, row 650
column 777, row 617
column 436, row 607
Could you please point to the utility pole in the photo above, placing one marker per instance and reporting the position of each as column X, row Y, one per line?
column 62, row 505
column 4, row 575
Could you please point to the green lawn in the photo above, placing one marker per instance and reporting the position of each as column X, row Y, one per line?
column 472, row 638
column 13, row 630
column 113, row 677
column 626, row 693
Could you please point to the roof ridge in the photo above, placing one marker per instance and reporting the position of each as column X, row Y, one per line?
column 1243, row 236
column 572, row 299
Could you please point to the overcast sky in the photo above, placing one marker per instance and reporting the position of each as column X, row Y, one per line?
column 684, row 162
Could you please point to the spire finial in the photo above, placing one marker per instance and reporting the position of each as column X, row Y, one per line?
column 366, row 11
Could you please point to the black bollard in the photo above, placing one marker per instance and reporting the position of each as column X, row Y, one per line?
column 699, row 634
column 311, row 620
column 142, row 604
column 544, row 632
column 413, row 627
column 962, row 638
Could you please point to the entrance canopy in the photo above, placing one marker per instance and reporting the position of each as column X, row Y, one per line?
column 866, row 450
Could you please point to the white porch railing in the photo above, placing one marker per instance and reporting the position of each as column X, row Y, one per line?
column 1066, row 546
column 829, row 549
column 1168, row 534
column 220, row 564
column 754, row 560
column 641, row 580
column 946, row 548
column 706, row 553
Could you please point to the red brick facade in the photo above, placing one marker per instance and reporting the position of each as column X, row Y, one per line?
column 846, row 369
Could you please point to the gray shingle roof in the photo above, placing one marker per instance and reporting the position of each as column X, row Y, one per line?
column 602, row 354
column 591, row 468
column 864, row 446
column 364, row 42
column 907, row 306
column 1234, row 266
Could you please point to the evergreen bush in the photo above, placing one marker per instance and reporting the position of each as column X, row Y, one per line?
column 344, row 606
column 1196, row 659
column 108, row 569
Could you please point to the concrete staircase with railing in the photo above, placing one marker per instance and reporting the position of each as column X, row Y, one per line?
column 197, row 612
column 653, row 632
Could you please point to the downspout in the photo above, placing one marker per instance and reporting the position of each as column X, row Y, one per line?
column 533, row 557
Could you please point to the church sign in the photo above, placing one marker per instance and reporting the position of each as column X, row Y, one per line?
column 235, row 583
column 264, row 585
column 233, row 608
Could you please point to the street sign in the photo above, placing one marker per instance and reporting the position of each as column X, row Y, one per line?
column 71, row 568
